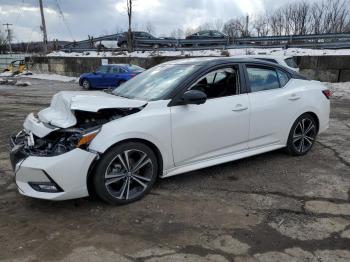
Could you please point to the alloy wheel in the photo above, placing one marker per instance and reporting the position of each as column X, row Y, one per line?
column 129, row 174
column 304, row 135
column 86, row 84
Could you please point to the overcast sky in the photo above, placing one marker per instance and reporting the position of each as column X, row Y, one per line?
column 98, row 17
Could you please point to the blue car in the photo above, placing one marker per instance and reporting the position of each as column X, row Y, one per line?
column 109, row 76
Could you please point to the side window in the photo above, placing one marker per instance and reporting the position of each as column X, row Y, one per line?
column 262, row 79
column 115, row 70
column 219, row 83
column 282, row 77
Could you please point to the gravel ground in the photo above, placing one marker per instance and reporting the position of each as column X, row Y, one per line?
column 270, row 207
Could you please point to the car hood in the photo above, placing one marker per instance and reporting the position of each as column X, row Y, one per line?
column 63, row 104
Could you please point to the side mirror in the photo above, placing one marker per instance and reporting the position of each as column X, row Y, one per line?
column 194, row 97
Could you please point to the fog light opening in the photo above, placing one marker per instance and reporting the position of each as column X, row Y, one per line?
column 47, row 187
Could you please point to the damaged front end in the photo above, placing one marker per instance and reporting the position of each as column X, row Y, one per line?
column 44, row 140
column 51, row 154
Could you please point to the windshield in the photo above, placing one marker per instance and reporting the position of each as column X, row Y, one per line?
column 154, row 83
column 291, row 62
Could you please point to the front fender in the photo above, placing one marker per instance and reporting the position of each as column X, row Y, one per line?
column 154, row 128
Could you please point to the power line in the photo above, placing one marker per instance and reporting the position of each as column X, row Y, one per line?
column 64, row 20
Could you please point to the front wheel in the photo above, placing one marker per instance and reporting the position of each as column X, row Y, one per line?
column 126, row 173
column 86, row 84
column 302, row 135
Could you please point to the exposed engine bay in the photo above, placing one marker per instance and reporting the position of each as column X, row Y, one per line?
column 63, row 140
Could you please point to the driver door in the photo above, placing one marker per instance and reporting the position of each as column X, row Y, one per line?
column 217, row 128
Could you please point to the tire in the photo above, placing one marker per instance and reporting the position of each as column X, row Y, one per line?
column 86, row 84
column 124, row 45
column 302, row 135
column 126, row 173
column 155, row 46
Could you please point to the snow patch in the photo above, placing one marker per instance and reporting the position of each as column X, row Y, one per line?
column 339, row 90
column 214, row 52
column 53, row 77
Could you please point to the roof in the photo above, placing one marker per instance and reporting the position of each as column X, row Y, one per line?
column 117, row 65
column 212, row 60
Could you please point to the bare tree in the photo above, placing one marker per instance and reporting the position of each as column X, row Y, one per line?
column 261, row 25
column 130, row 38
column 150, row 28
column 218, row 24
column 177, row 33
column 236, row 28
column 317, row 13
column 337, row 16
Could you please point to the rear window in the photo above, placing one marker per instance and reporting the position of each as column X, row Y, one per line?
column 262, row 79
column 135, row 68
column 291, row 62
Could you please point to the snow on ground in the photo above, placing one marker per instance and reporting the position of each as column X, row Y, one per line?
column 6, row 74
column 54, row 77
column 340, row 90
column 216, row 52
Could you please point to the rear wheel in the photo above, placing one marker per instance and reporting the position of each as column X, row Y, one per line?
column 302, row 135
column 126, row 173
column 86, row 84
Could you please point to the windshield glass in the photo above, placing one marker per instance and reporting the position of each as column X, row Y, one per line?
column 154, row 83
column 102, row 69
column 291, row 62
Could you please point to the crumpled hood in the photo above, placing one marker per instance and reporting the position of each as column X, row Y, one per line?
column 61, row 111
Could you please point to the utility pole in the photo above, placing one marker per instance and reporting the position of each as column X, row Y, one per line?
column 43, row 25
column 8, row 35
column 247, row 25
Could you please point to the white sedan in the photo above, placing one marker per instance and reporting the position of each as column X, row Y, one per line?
column 177, row 117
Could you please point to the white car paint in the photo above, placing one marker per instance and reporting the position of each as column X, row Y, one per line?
column 188, row 137
column 61, row 111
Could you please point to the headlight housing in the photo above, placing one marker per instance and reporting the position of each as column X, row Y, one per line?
column 86, row 139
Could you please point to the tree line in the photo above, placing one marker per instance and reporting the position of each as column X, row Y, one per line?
column 295, row 18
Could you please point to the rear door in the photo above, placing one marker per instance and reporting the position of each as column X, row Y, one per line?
column 273, row 104
column 114, row 76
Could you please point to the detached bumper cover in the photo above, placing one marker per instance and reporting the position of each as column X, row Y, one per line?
column 68, row 171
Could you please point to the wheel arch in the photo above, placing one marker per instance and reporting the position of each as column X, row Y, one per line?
column 317, row 120
column 153, row 147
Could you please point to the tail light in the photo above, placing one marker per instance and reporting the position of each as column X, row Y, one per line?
column 327, row 93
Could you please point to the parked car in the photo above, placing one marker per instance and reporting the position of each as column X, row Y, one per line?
column 207, row 34
column 139, row 35
column 111, row 75
column 179, row 116
column 286, row 61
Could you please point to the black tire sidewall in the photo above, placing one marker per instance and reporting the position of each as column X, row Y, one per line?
column 89, row 85
column 290, row 147
column 99, row 180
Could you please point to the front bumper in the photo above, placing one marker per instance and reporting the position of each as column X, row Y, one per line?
column 68, row 172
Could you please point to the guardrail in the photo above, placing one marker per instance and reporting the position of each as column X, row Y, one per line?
column 292, row 37
column 333, row 41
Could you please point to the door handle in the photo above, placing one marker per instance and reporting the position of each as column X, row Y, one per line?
column 239, row 108
column 294, row 97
